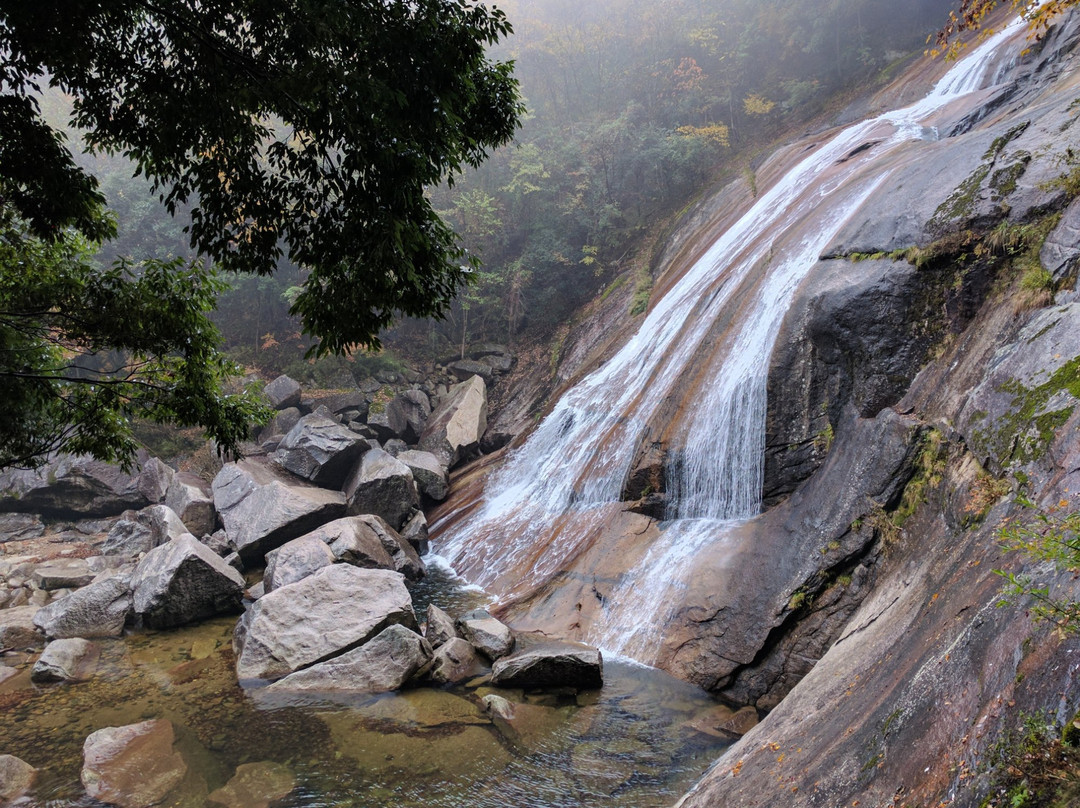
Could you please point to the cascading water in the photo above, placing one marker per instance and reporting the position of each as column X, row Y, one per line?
column 542, row 507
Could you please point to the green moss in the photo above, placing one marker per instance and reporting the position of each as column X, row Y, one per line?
column 929, row 471
column 642, row 291
column 380, row 400
column 615, row 285
column 960, row 204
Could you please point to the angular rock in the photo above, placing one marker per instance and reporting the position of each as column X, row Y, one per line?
column 218, row 541
column 1060, row 252
column 382, row 485
column 338, row 608
column 382, row 664
column 464, row 369
column 490, row 636
column 455, row 661
column 260, row 512
column 486, row 350
column 255, row 785
column 20, row 526
column 551, row 665
column 353, row 541
column 62, row 574
column 134, row 766
column 280, row 424
column 71, row 487
column 294, row 560
column 409, row 410
column 141, row 531
column 415, row 533
column 97, row 610
column 18, row 630
column 70, row 660
column 454, row 430
column 431, row 476
column 321, row 450
column 184, row 581
column 155, row 478
column 439, row 628
column 193, row 502
column 283, row 393
column 339, row 402
column 404, row 556
column 16, row 778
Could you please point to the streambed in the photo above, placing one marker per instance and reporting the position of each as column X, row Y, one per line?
column 630, row 744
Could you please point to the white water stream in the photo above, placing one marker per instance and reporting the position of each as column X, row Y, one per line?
column 548, row 493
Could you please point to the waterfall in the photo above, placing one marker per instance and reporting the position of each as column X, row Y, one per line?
column 543, row 505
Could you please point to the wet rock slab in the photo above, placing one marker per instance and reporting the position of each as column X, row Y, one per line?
column 133, row 766
column 551, row 665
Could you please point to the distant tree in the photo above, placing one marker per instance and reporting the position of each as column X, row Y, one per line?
column 972, row 16
column 303, row 128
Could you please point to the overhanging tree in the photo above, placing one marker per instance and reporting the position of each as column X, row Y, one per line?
column 303, row 128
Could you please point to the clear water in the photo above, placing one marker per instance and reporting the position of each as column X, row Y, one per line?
column 628, row 744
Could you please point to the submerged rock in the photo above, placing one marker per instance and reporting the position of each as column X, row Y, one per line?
column 255, row 785
column 338, row 608
column 134, row 766
column 16, row 778
column 557, row 664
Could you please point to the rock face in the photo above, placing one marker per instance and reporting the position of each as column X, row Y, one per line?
column 97, row 610
column 71, row 660
column 16, row 777
column 551, row 665
column 193, row 501
column 141, row 531
column 380, row 665
column 487, row 635
column 133, row 766
column 294, row 560
column 324, row 615
column 383, row 485
column 283, row 393
column 320, row 450
column 182, row 582
column 261, row 512
column 454, row 430
column 71, row 487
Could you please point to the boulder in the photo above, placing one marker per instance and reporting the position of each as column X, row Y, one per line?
column 16, row 778
column 353, row 541
column 464, row 369
column 184, row 581
column 528, row 725
column 140, row 532
column 439, row 628
column 488, row 635
column 339, row 402
column 431, row 476
column 415, row 533
column 155, row 477
column 550, row 665
column 64, row 573
column 382, row 664
column 283, row 393
column 324, row 615
column 20, row 526
column 383, row 485
column 261, row 512
column 404, row 556
column 71, row 487
column 409, row 410
column 193, row 502
column 97, row 610
column 70, row 660
column 134, row 766
column 320, row 449
column 294, row 560
column 255, row 785
column 18, row 630
column 455, row 661
column 454, row 430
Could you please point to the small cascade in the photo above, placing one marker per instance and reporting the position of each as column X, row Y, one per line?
column 541, row 509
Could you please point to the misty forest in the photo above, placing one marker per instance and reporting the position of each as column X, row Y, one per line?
column 637, row 403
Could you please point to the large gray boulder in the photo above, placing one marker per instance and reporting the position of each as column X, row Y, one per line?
column 261, row 512
column 141, row 531
column 182, row 582
column 294, row 560
column 20, row 526
column 382, row 485
column 283, row 393
column 431, row 476
column 18, row 630
column 155, row 477
column 192, row 500
column 464, row 369
column 324, row 615
column 97, row 610
column 70, row 660
column 439, row 627
column 321, row 450
column 63, row 573
column 383, row 664
column 134, row 766
column 72, row 487
column 556, row 664
column 353, row 541
column 409, row 410
column 455, row 661
column 488, row 635
column 453, row 431
column 16, row 778
column 402, row 554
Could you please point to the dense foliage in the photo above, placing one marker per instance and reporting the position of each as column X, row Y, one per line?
column 305, row 130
